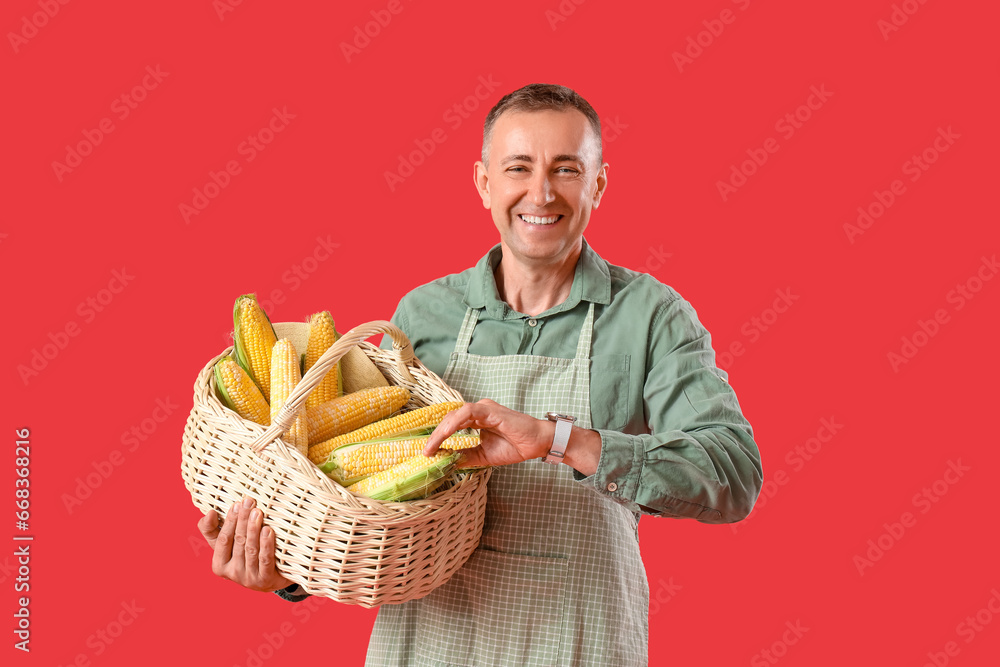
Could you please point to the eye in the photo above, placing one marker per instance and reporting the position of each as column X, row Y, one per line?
column 567, row 170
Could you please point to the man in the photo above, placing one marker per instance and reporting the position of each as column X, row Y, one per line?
column 603, row 371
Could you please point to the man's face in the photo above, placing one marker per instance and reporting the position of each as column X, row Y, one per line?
column 542, row 181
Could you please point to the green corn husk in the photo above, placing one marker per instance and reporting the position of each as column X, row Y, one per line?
column 221, row 387
column 394, row 489
column 427, row 490
column 339, row 475
column 239, row 344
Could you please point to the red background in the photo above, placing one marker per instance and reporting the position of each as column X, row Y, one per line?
column 671, row 134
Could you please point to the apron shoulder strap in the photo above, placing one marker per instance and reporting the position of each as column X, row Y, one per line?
column 465, row 333
column 586, row 335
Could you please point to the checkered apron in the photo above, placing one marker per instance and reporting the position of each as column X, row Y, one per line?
column 557, row 578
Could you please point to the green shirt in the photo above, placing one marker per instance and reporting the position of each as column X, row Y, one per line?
column 674, row 441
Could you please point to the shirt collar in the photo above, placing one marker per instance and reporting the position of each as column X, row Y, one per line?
column 591, row 282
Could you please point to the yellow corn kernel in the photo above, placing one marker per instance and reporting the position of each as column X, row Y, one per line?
column 407, row 421
column 460, row 441
column 410, row 466
column 285, row 375
column 240, row 394
column 348, row 413
column 254, row 339
column 322, row 334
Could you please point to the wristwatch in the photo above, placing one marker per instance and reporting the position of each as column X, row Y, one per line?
column 564, row 426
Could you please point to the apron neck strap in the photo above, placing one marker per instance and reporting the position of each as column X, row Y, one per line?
column 472, row 318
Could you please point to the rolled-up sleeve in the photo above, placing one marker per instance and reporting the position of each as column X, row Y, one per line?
column 699, row 459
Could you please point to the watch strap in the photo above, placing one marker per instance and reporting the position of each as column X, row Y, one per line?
column 559, row 441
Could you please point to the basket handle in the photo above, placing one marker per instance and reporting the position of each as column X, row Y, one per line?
column 283, row 420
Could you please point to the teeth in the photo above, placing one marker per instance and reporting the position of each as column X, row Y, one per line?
column 537, row 220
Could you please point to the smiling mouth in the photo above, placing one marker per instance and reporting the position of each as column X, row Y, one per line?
column 539, row 219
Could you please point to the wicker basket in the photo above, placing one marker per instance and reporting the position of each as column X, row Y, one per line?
column 332, row 543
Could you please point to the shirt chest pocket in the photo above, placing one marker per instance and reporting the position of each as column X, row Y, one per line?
column 610, row 386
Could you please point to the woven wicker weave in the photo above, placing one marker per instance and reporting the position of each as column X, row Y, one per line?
column 334, row 544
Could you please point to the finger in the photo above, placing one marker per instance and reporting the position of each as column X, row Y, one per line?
column 485, row 414
column 267, row 564
column 492, row 450
column 251, row 549
column 436, row 438
column 445, row 428
column 209, row 527
column 473, row 458
column 470, row 415
column 224, row 543
column 238, row 562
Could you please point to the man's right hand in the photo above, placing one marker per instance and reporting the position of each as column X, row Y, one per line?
column 244, row 547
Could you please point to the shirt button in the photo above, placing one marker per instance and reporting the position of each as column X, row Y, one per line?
column 532, row 322
column 612, row 487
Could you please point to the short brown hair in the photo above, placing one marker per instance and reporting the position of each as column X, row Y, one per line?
column 541, row 97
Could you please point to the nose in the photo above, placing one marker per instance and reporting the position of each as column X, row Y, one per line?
column 540, row 189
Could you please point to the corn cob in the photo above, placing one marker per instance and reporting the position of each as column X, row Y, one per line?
column 351, row 412
column 254, row 337
column 322, row 334
column 284, row 376
column 408, row 479
column 239, row 393
column 408, row 421
column 351, row 463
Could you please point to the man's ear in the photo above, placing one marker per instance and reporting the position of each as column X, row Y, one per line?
column 482, row 183
column 602, row 184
